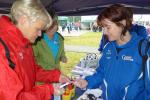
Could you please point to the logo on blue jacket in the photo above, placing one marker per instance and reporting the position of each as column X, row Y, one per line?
column 127, row 58
column 108, row 53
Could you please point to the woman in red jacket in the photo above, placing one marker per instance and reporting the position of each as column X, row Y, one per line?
column 19, row 72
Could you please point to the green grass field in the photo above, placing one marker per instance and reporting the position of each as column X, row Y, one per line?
column 73, row 59
column 87, row 39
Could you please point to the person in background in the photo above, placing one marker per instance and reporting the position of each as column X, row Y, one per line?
column 19, row 72
column 140, row 30
column 68, row 27
column 49, row 50
column 120, row 73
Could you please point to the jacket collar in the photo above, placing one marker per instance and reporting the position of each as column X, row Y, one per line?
column 9, row 29
column 132, row 41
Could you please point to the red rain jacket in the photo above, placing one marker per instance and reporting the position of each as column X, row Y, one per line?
column 19, row 84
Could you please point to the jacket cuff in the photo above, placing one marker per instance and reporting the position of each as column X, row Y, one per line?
column 57, row 75
column 51, row 88
column 89, row 85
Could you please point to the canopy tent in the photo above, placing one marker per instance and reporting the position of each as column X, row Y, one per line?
column 84, row 7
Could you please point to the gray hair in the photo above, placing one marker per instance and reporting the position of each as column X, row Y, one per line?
column 33, row 9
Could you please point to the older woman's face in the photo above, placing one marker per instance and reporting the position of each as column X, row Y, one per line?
column 110, row 29
column 33, row 30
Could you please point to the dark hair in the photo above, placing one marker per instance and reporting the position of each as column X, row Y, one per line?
column 52, row 12
column 55, row 22
column 116, row 13
column 130, row 13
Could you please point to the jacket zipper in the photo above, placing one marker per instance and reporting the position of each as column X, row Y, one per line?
column 126, row 88
column 106, row 89
column 148, row 61
column 126, row 91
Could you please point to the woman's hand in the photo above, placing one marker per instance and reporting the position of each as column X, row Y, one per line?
column 64, row 79
column 81, row 83
column 57, row 90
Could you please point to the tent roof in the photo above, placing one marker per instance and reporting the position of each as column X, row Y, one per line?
column 84, row 7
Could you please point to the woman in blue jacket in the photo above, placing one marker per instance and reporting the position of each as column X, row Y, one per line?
column 120, row 68
column 139, row 29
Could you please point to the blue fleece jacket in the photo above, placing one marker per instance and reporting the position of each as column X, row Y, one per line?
column 120, row 71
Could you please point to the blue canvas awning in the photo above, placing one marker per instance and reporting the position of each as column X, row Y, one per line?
column 84, row 7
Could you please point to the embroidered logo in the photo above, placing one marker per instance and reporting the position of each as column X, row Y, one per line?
column 55, row 42
column 129, row 58
column 108, row 53
column 21, row 55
